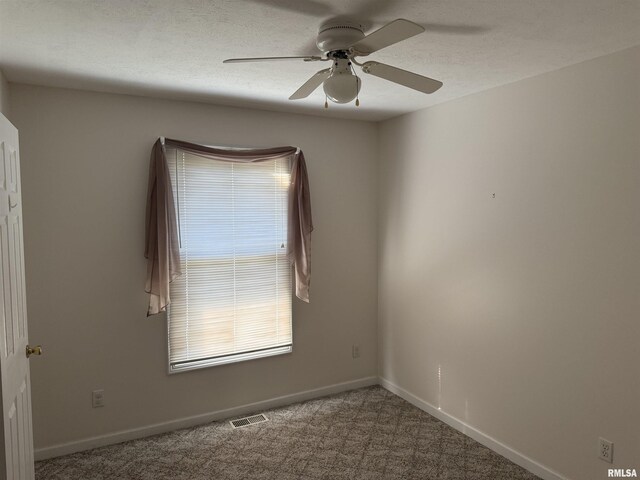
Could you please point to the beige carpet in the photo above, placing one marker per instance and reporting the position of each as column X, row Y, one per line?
column 368, row 433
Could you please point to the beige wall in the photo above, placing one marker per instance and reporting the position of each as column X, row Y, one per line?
column 5, row 92
column 85, row 163
column 516, row 314
column 519, row 314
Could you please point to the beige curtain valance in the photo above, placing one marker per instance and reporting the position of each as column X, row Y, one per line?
column 161, row 239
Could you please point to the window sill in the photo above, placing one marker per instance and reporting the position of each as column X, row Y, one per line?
column 227, row 359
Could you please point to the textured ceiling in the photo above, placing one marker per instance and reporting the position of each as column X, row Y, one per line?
column 175, row 48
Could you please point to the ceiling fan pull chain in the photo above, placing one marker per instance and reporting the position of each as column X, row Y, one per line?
column 326, row 104
column 353, row 71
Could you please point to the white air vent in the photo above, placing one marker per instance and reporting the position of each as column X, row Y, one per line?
column 246, row 421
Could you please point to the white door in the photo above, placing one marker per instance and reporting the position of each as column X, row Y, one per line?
column 16, row 456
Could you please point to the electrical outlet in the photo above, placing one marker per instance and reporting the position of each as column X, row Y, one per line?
column 355, row 351
column 97, row 398
column 605, row 450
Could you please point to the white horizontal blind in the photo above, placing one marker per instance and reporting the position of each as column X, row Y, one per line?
column 233, row 299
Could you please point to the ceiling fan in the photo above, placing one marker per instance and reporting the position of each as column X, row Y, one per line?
column 341, row 42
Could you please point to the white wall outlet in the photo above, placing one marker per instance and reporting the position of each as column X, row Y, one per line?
column 97, row 398
column 605, row 450
column 355, row 351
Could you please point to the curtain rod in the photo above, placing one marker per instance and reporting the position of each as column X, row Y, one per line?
column 226, row 147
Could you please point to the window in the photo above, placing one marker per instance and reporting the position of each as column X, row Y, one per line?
column 233, row 299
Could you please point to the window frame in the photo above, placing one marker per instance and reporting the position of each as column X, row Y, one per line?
column 231, row 359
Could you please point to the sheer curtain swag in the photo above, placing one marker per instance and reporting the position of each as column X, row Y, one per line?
column 162, row 249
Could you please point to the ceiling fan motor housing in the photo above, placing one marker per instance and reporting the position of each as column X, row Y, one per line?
column 338, row 35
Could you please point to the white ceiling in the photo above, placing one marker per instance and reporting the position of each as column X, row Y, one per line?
column 175, row 48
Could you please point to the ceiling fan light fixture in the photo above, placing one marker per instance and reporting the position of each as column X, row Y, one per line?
column 342, row 87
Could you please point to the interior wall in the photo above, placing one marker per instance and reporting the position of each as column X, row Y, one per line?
column 5, row 92
column 85, row 160
column 519, row 314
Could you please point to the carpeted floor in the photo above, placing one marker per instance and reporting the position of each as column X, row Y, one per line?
column 368, row 433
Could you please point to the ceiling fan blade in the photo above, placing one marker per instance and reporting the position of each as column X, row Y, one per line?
column 308, row 7
column 368, row 9
column 454, row 29
column 402, row 77
column 310, row 85
column 308, row 58
column 391, row 33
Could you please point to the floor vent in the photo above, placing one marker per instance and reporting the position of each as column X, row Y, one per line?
column 246, row 421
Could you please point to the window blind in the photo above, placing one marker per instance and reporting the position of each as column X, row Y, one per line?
column 233, row 300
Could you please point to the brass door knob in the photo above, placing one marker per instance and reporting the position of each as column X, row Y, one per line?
column 37, row 350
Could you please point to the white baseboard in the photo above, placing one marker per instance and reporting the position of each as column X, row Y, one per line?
column 155, row 429
column 132, row 434
column 480, row 437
